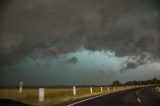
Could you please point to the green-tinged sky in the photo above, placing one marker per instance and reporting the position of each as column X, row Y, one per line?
column 78, row 42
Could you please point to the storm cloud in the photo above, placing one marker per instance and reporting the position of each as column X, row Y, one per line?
column 73, row 60
column 45, row 29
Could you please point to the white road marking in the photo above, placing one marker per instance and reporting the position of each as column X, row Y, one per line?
column 137, row 97
column 87, row 99
column 139, row 100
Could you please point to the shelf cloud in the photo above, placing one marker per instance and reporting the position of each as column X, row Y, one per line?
column 46, row 29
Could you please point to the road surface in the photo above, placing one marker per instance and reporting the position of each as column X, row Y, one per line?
column 134, row 97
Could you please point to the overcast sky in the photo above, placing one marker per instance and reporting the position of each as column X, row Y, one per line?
column 78, row 42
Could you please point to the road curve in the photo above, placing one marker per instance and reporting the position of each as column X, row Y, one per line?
column 134, row 97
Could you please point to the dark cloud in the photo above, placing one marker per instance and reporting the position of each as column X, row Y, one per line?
column 3, row 4
column 135, row 61
column 73, row 60
column 43, row 53
column 130, row 65
column 45, row 29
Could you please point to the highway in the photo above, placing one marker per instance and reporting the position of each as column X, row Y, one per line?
column 145, row 96
column 135, row 97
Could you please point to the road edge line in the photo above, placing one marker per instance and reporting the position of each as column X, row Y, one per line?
column 88, row 99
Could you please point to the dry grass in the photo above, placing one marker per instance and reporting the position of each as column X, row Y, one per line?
column 28, row 96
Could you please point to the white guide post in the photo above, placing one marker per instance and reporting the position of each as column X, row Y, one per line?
column 101, row 89
column 91, row 90
column 108, row 89
column 114, row 88
column 41, row 94
column 20, row 87
column 74, row 91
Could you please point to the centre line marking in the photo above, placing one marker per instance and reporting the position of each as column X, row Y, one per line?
column 139, row 100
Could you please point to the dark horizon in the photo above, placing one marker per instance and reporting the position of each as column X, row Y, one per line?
column 114, row 83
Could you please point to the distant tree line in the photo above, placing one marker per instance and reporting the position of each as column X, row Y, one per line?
column 144, row 82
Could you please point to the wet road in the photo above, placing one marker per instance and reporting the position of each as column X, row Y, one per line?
column 134, row 97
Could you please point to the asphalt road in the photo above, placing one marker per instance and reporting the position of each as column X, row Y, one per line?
column 135, row 97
